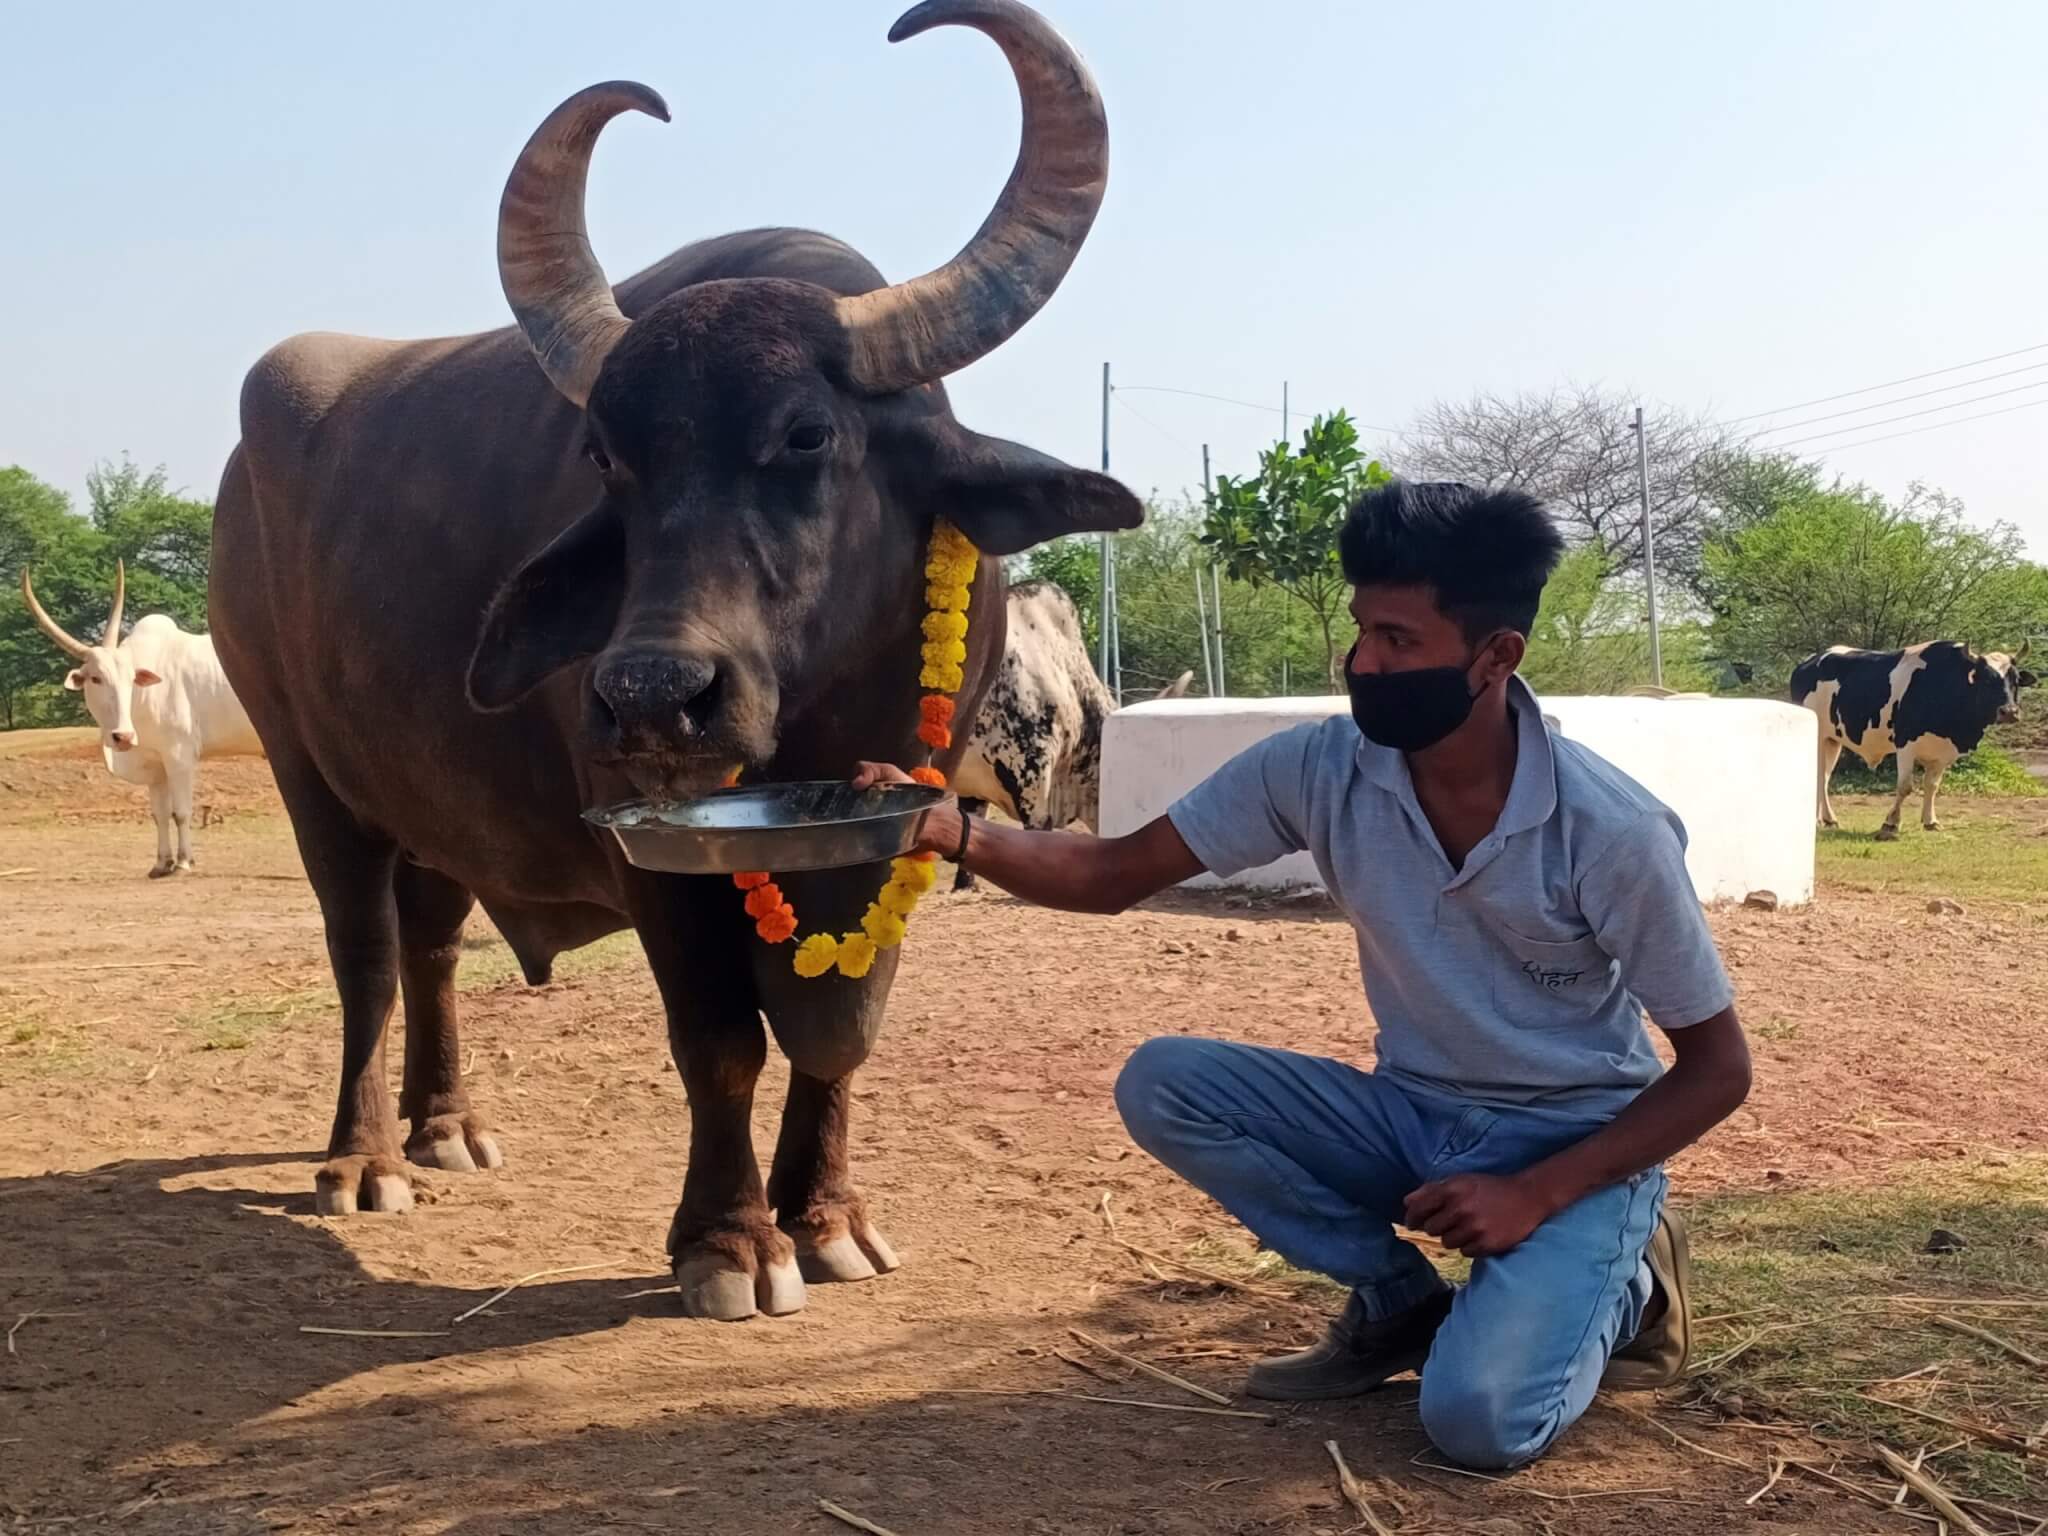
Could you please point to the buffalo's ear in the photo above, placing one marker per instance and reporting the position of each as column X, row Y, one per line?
column 559, row 607
column 1006, row 497
column 2028, row 679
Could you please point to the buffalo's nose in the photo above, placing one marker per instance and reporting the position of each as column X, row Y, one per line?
column 656, row 696
column 123, row 740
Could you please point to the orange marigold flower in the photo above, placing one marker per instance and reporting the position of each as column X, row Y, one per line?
column 777, row 925
column 752, row 878
column 931, row 776
column 732, row 778
column 922, row 858
column 937, row 737
column 936, row 708
column 763, row 899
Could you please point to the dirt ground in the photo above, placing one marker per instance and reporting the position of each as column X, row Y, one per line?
column 167, row 1061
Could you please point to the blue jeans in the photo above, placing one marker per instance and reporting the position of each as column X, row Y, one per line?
column 1316, row 1157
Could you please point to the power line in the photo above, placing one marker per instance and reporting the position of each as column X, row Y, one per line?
column 1885, row 421
column 1936, row 426
column 1250, row 405
column 1911, row 378
column 1163, row 431
column 1878, row 405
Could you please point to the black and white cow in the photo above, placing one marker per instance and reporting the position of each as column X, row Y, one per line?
column 1036, row 749
column 1929, row 703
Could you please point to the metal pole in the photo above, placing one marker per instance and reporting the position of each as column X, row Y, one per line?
column 1202, row 624
column 1649, row 547
column 1212, row 628
column 1108, row 555
column 1283, row 411
column 1216, row 581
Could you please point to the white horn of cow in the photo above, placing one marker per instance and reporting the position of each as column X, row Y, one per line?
column 113, row 632
column 75, row 649
column 921, row 330
column 557, row 290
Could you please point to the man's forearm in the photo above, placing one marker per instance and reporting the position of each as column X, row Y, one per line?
column 1666, row 1118
column 1071, row 871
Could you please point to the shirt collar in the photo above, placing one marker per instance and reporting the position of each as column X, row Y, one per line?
column 1532, row 795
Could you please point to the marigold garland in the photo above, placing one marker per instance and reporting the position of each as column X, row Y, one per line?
column 950, row 564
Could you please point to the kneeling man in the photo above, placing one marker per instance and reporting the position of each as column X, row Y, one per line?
column 1520, row 905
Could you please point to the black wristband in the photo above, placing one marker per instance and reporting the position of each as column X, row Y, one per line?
column 966, row 821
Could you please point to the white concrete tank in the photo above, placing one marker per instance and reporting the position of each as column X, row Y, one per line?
column 1739, row 773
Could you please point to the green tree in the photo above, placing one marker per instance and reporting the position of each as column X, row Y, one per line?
column 1280, row 526
column 1589, row 636
column 39, row 531
column 166, row 540
column 1161, row 636
column 1846, row 567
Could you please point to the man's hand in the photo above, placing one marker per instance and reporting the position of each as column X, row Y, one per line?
column 868, row 775
column 939, row 832
column 1479, row 1214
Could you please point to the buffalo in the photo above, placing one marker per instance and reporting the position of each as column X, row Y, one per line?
column 465, row 598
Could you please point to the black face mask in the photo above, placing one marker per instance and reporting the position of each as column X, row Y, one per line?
column 1409, row 711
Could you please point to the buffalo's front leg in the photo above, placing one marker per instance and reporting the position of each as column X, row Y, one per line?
column 826, row 1026
column 815, row 1202
column 446, row 1132
column 730, row 1259
column 350, row 868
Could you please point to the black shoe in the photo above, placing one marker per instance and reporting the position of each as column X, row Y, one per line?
column 1354, row 1355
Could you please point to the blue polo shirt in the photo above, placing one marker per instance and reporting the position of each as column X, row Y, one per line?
column 1520, row 979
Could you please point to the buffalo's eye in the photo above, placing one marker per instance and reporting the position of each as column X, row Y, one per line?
column 809, row 437
column 598, row 457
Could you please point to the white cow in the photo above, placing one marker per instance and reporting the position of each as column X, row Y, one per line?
column 162, row 703
column 1036, row 749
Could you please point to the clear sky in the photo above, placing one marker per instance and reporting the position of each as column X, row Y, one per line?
column 1731, row 207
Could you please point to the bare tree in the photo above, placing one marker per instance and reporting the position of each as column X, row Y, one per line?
column 1575, row 448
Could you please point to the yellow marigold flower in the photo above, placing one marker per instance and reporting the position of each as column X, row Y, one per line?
column 945, row 595
column 947, row 677
column 884, row 927
column 816, row 955
column 943, row 652
column 945, row 626
column 898, row 898
column 919, row 874
column 856, row 955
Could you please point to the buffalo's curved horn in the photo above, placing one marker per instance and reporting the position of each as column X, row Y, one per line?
column 937, row 324
column 113, row 630
column 75, row 649
column 556, row 288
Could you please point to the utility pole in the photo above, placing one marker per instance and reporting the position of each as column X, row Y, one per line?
column 1212, row 638
column 1649, row 547
column 1109, row 661
column 1288, row 614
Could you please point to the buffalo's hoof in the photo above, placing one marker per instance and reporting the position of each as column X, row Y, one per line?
column 345, row 1186
column 1930, row 826
column 730, row 1275
column 162, row 871
column 1887, row 833
column 831, row 1246
column 456, row 1143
